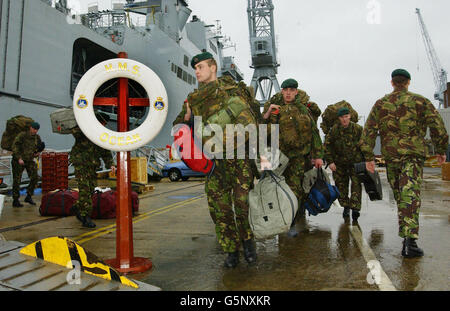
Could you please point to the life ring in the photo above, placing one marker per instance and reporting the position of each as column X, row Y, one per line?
column 83, row 107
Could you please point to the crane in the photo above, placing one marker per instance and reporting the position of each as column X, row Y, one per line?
column 439, row 74
column 263, row 50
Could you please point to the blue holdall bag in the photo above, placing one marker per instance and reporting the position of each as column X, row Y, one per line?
column 321, row 195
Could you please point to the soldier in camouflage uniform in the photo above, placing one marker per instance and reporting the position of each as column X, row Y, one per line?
column 303, row 98
column 299, row 136
column 230, row 182
column 402, row 118
column 24, row 150
column 342, row 150
column 85, row 157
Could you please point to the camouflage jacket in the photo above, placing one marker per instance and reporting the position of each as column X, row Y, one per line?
column 212, row 97
column 342, row 144
column 402, row 118
column 299, row 135
column 303, row 98
column 25, row 146
column 85, row 152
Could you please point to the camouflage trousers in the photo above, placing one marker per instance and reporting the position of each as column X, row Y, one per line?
column 342, row 176
column 17, row 171
column 294, row 175
column 87, row 181
column 229, row 186
column 405, row 179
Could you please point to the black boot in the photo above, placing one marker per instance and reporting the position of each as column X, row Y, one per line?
column 355, row 215
column 249, row 251
column 29, row 199
column 232, row 260
column 410, row 248
column 346, row 213
column 16, row 203
column 87, row 222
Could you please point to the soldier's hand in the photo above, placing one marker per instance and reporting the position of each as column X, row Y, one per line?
column 21, row 162
column 332, row 167
column 370, row 166
column 274, row 107
column 318, row 163
column 441, row 158
column 113, row 169
column 187, row 116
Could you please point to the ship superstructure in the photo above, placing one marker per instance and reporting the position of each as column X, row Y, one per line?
column 44, row 51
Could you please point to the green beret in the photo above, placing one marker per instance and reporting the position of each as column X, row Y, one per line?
column 200, row 57
column 401, row 72
column 35, row 125
column 289, row 83
column 343, row 111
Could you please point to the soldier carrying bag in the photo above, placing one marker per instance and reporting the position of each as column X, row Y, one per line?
column 273, row 206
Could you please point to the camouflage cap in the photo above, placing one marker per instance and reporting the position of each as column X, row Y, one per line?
column 200, row 57
column 289, row 83
column 343, row 111
column 35, row 125
column 401, row 72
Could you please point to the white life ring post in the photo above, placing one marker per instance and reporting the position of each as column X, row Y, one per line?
column 83, row 104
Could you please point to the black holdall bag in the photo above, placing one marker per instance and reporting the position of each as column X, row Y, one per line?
column 371, row 181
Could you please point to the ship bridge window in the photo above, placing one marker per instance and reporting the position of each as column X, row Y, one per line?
column 186, row 61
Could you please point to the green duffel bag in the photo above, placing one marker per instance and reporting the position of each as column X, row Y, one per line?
column 273, row 206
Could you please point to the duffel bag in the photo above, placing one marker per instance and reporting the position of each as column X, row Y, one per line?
column 321, row 195
column 105, row 204
column 58, row 203
column 272, row 206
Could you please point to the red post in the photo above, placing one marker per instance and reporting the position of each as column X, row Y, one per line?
column 125, row 262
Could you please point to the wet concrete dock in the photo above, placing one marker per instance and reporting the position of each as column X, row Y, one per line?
column 175, row 231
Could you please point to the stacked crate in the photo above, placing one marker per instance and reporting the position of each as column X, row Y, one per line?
column 62, row 170
column 55, row 173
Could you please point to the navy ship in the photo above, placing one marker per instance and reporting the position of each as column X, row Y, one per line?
column 45, row 50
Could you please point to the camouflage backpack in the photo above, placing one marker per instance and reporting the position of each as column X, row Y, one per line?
column 14, row 126
column 330, row 117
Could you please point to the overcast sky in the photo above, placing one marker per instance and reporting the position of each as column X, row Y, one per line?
column 330, row 47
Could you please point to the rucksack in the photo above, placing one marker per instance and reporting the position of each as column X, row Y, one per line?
column 330, row 117
column 273, row 206
column 14, row 126
column 321, row 196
